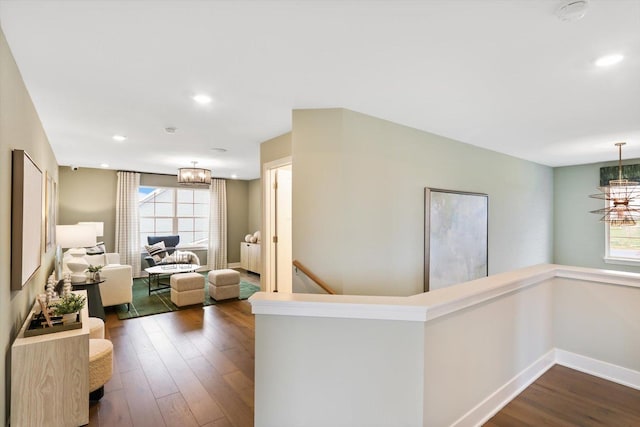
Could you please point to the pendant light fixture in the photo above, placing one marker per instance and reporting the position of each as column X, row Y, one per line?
column 622, row 196
column 194, row 177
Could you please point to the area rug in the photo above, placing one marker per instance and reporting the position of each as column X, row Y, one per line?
column 160, row 302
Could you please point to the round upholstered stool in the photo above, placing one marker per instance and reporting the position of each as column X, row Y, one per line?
column 96, row 327
column 100, row 366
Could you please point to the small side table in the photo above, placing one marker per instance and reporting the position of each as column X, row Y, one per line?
column 94, row 299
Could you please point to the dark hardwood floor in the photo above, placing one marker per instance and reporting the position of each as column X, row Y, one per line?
column 195, row 367
column 565, row 397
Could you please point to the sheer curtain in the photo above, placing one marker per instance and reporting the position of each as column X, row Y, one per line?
column 217, row 257
column 127, row 228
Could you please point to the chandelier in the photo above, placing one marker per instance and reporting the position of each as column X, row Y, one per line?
column 194, row 176
column 622, row 196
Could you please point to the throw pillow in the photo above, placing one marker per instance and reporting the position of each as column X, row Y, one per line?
column 98, row 249
column 157, row 251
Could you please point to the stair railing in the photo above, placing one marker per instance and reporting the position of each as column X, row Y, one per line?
column 318, row 281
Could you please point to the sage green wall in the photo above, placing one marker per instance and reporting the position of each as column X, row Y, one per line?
column 358, row 200
column 89, row 195
column 237, row 217
column 578, row 234
column 255, row 205
column 158, row 180
column 275, row 149
column 20, row 128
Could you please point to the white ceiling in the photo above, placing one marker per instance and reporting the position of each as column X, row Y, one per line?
column 505, row 75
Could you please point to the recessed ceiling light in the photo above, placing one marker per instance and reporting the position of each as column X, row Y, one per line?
column 119, row 138
column 170, row 129
column 234, row 176
column 104, row 165
column 609, row 60
column 203, row 99
column 219, row 150
column 572, row 10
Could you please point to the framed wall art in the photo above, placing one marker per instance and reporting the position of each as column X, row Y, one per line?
column 50, row 213
column 456, row 237
column 26, row 219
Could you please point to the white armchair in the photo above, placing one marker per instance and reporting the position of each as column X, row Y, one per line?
column 118, row 279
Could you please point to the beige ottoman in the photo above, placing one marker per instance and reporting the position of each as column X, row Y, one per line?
column 224, row 284
column 100, row 364
column 187, row 289
column 96, row 327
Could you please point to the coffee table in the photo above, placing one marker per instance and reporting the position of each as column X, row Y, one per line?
column 167, row 270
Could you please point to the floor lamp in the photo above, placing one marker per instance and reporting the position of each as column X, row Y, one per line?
column 76, row 238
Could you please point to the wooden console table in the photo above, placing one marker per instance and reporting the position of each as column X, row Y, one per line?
column 50, row 377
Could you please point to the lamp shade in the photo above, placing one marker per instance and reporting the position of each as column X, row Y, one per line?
column 75, row 236
column 98, row 225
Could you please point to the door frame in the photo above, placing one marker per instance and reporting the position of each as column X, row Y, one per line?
column 268, row 257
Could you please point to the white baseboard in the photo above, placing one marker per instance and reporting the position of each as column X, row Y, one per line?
column 505, row 394
column 233, row 265
column 598, row 368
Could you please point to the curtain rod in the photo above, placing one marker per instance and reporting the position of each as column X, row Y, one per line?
column 164, row 174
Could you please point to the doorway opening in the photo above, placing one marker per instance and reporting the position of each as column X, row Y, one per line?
column 277, row 240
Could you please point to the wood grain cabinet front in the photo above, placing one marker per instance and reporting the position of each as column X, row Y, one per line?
column 250, row 257
column 50, row 377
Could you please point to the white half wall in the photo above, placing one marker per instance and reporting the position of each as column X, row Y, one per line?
column 471, row 353
column 450, row 357
column 307, row 385
column 597, row 320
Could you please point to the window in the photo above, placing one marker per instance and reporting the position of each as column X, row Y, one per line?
column 623, row 243
column 165, row 211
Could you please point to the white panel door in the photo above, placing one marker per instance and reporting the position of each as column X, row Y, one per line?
column 283, row 229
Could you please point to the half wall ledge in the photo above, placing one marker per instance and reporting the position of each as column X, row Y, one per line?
column 429, row 305
column 450, row 357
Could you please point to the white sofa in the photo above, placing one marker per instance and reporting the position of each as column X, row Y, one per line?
column 118, row 278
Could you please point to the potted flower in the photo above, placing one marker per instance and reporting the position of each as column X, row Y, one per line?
column 95, row 272
column 69, row 306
